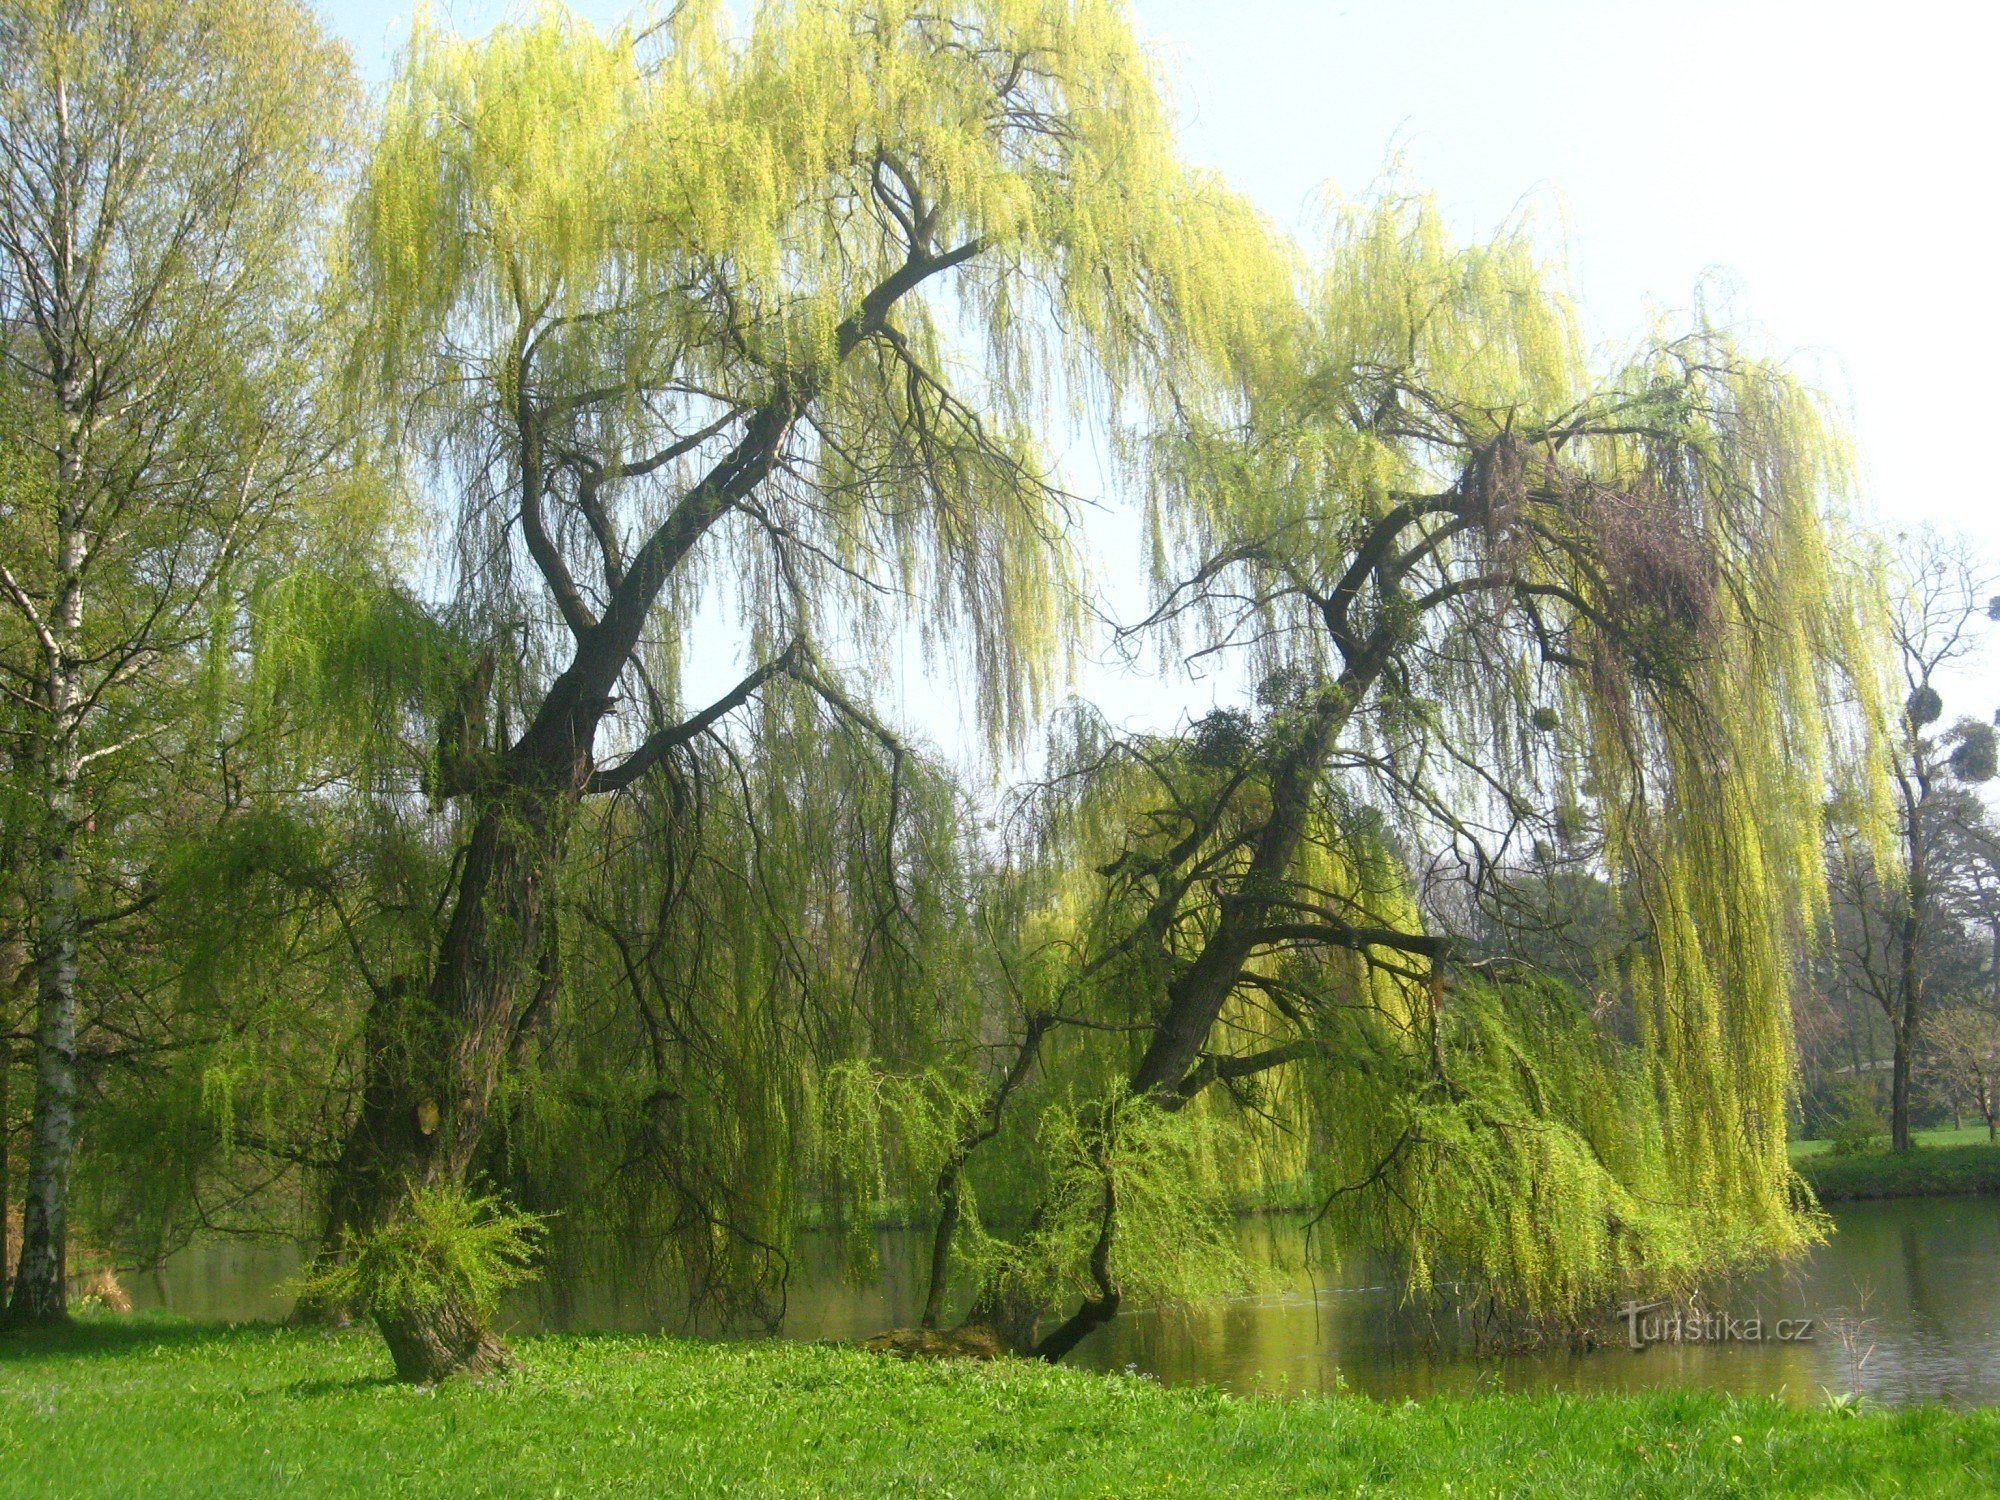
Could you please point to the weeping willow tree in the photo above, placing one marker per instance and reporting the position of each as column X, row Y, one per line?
column 689, row 325
column 1500, row 617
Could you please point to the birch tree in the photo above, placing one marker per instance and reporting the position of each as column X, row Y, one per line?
column 162, row 169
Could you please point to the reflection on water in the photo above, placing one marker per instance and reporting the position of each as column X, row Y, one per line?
column 1905, row 1298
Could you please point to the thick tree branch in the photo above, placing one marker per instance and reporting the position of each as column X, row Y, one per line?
column 1215, row 1068
column 534, row 481
column 22, row 602
column 659, row 744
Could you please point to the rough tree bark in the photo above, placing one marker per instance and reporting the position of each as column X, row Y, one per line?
column 430, row 1343
column 14, row 969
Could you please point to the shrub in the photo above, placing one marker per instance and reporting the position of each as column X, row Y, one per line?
column 1857, row 1123
column 447, row 1246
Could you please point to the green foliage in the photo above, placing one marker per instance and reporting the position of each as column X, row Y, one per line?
column 1170, row 1175
column 1619, row 672
column 189, row 1411
column 1929, row 1171
column 1858, row 1126
column 347, row 668
column 1535, row 1169
column 1974, row 757
column 169, row 169
column 446, row 1246
column 878, row 1149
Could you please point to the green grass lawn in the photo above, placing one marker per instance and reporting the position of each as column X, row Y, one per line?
column 1971, row 1135
column 145, row 1407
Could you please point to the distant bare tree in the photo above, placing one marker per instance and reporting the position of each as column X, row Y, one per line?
column 1962, row 1048
column 1897, row 922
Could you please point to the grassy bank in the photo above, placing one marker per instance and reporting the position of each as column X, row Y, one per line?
column 1927, row 1171
column 147, row 1407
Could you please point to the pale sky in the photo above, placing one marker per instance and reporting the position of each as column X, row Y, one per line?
column 1833, row 163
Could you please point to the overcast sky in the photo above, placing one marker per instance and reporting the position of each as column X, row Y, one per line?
column 1832, row 164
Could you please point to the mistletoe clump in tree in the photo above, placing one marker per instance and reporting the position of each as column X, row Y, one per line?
column 1505, row 620
column 680, row 320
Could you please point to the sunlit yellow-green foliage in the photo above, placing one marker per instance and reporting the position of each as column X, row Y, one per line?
column 549, row 165
column 1710, row 780
column 663, row 224
column 1394, row 307
column 1172, row 1174
column 448, row 1243
column 1533, row 1178
column 1716, row 669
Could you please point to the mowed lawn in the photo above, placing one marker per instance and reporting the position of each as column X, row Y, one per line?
column 1970, row 1135
column 147, row 1407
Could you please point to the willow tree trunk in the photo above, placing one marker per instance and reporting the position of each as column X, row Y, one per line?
column 435, row 1055
column 430, row 1343
column 436, row 1052
column 435, row 1059
column 1194, row 1002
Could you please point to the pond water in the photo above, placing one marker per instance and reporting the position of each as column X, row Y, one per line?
column 1904, row 1302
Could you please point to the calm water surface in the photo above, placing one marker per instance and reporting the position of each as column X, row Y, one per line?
column 1905, row 1300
